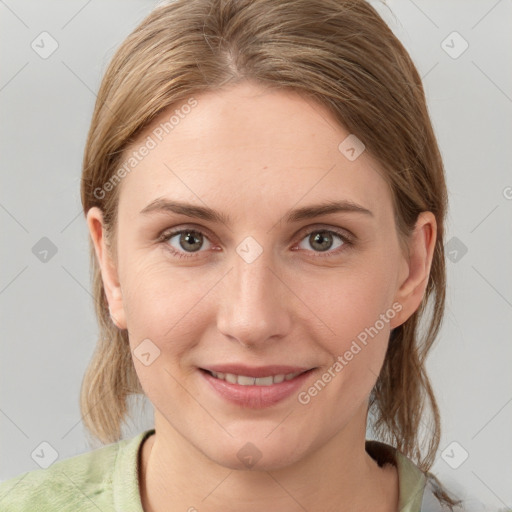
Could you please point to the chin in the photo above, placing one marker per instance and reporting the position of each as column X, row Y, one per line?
column 264, row 455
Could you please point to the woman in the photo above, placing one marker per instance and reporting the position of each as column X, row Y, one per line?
column 266, row 201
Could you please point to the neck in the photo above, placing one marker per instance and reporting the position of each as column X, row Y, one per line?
column 339, row 475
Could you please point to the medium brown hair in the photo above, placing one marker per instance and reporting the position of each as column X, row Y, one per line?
column 338, row 53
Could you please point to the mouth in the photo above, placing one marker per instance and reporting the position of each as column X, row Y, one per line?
column 263, row 387
column 245, row 380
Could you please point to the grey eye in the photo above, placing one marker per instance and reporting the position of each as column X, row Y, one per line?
column 188, row 240
column 322, row 240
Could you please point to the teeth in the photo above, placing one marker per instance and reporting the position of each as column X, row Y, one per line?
column 230, row 378
column 243, row 380
column 264, row 381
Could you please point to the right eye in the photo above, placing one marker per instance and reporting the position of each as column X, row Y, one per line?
column 183, row 243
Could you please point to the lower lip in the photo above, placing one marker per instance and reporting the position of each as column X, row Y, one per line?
column 255, row 397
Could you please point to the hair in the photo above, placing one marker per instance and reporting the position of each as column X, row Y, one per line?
column 338, row 53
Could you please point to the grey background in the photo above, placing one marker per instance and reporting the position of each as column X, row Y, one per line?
column 47, row 320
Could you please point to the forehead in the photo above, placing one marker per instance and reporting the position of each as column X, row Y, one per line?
column 240, row 146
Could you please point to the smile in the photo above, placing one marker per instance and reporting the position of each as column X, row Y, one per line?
column 244, row 380
column 255, row 392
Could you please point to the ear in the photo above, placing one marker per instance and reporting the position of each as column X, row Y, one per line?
column 108, row 268
column 416, row 266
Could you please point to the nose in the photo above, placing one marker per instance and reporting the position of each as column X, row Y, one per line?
column 255, row 302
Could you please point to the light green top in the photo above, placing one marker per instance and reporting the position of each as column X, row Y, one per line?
column 106, row 479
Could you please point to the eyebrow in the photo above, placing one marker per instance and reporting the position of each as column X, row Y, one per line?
column 201, row 212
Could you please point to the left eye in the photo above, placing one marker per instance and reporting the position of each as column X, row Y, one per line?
column 322, row 240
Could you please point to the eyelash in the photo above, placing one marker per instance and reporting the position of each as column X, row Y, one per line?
column 347, row 240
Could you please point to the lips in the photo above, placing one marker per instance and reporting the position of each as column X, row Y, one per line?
column 255, row 387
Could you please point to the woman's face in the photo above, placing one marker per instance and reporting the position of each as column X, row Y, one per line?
column 261, row 279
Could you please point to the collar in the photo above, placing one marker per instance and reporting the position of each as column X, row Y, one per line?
column 416, row 490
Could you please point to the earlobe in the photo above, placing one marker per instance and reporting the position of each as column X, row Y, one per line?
column 109, row 273
column 413, row 282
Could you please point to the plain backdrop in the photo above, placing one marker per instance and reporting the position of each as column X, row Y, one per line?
column 463, row 51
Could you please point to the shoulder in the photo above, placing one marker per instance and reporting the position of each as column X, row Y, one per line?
column 62, row 486
column 83, row 482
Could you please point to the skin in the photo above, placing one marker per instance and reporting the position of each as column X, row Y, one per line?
column 255, row 154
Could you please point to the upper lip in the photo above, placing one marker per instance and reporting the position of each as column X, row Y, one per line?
column 252, row 371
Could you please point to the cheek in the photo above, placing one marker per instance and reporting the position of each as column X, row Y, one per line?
column 164, row 304
column 349, row 300
column 164, row 317
column 355, row 310
column 357, row 354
